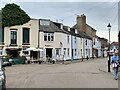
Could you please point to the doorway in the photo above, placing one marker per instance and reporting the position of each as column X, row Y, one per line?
column 49, row 52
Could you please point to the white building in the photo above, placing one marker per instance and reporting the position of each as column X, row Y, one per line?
column 54, row 40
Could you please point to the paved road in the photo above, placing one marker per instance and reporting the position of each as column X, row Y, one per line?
column 87, row 74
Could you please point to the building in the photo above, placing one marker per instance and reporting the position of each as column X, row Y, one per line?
column 104, row 47
column 17, row 38
column 87, row 32
column 54, row 40
column 99, row 45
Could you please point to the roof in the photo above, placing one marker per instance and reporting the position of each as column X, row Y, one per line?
column 90, row 27
column 49, row 28
column 82, row 34
column 52, row 27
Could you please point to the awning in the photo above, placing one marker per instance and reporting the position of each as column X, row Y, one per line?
column 38, row 50
column 31, row 48
column 13, row 48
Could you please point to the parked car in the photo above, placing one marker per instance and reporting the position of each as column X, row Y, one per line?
column 2, row 75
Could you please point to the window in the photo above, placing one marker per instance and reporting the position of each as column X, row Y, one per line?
column 13, row 36
column 86, row 51
column 75, row 39
column 86, row 42
column 48, row 37
column 26, row 32
column 64, row 51
column 75, row 52
column 57, row 51
column 68, row 51
column 68, row 39
column 44, row 22
column 94, row 41
column 1, row 34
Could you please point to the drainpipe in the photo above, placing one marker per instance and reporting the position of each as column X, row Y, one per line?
column 38, row 33
column 71, row 49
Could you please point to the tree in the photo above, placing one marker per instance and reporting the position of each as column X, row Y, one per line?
column 12, row 15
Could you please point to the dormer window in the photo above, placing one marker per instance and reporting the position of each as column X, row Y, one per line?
column 44, row 22
column 61, row 26
column 75, row 31
column 68, row 29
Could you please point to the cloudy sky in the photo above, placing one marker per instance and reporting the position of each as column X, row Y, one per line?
column 98, row 13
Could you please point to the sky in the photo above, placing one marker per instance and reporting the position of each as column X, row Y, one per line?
column 98, row 13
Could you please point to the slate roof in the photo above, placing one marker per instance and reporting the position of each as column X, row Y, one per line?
column 52, row 27
column 49, row 28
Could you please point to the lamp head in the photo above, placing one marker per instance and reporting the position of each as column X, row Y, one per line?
column 109, row 26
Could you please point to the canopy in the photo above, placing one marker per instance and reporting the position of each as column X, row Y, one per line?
column 31, row 48
column 38, row 50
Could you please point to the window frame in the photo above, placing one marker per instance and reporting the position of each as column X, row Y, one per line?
column 28, row 37
column 49, row 37
column 13, row 36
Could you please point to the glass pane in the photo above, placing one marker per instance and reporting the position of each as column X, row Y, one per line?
column 25, row 35
column 51, row 38
column 45, row 38
column 1, row 35
column 48, row 38
column 13, row 37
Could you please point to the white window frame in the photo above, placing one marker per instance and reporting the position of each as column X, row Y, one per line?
column 50, row 36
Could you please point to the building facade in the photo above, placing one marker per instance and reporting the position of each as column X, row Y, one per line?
column 18, row 38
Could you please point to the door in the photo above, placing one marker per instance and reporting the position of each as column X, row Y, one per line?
column 49, row 52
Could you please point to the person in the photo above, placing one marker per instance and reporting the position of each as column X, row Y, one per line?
column 115, row 64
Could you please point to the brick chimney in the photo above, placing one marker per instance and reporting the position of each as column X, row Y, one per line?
column 81, row 23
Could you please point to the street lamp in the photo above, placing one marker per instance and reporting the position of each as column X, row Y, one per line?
column 109, row 28
column 119, row 43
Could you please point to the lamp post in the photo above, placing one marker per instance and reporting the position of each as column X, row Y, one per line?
column 119, row 43
column 109, row 28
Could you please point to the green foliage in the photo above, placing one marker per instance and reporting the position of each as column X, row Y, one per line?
column 12, row 15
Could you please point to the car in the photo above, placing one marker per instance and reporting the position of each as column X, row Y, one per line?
column 2, row 75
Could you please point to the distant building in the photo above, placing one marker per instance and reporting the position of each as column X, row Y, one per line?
column 88, row 32
column 104, row 47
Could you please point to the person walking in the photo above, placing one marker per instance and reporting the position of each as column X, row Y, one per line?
column 115, row 64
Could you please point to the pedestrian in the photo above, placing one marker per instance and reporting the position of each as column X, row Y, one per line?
column 115, row 64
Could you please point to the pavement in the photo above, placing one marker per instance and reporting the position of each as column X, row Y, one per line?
column 90, row 73
column 103, row 68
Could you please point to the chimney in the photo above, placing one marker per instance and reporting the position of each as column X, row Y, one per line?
column 81, row 23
